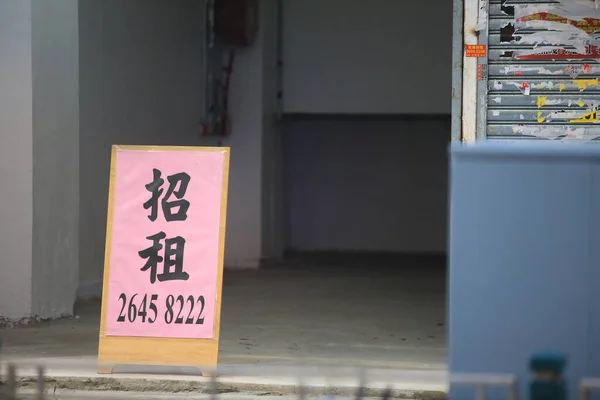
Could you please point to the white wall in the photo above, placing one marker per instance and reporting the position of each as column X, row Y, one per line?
column 39, row 156
column 16, row 158
column 254, row 217
column 377, row 56
column 367, row 184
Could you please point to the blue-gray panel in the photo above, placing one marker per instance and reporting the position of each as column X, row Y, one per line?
column 594, row 281
column 524, row 263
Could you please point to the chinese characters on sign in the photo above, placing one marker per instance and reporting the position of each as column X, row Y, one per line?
column 482, row 72
column 173, row 246
column 154, row 187
column 165, row 244
column 476, row 50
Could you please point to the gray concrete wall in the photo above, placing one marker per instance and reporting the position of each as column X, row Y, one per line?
column 367, row 184
column 354, row 181
column 272, row 176
column 141, row 83
column 55, row 58
column 524, row 255
column 16, row 158
column 377, row 56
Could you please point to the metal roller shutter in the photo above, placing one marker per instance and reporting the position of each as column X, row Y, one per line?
column 542, row 74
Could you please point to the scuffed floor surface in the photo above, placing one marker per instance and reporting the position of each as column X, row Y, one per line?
column 370, row 312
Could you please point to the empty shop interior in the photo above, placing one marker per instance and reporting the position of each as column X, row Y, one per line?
column 337, row 210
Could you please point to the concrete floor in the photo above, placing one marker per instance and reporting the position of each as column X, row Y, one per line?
column 373, row 312
column 74, row 395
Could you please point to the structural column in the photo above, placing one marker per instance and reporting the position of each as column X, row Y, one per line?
column 39, row 158
column 255, row 217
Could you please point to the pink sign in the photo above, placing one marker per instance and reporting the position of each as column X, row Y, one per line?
column 164, row 251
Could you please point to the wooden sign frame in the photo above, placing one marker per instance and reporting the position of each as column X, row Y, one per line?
column 125, row 350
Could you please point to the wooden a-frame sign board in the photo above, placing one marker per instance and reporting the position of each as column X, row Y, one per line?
column 115, row 350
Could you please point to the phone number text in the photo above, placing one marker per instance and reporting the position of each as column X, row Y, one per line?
column 174, row 309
